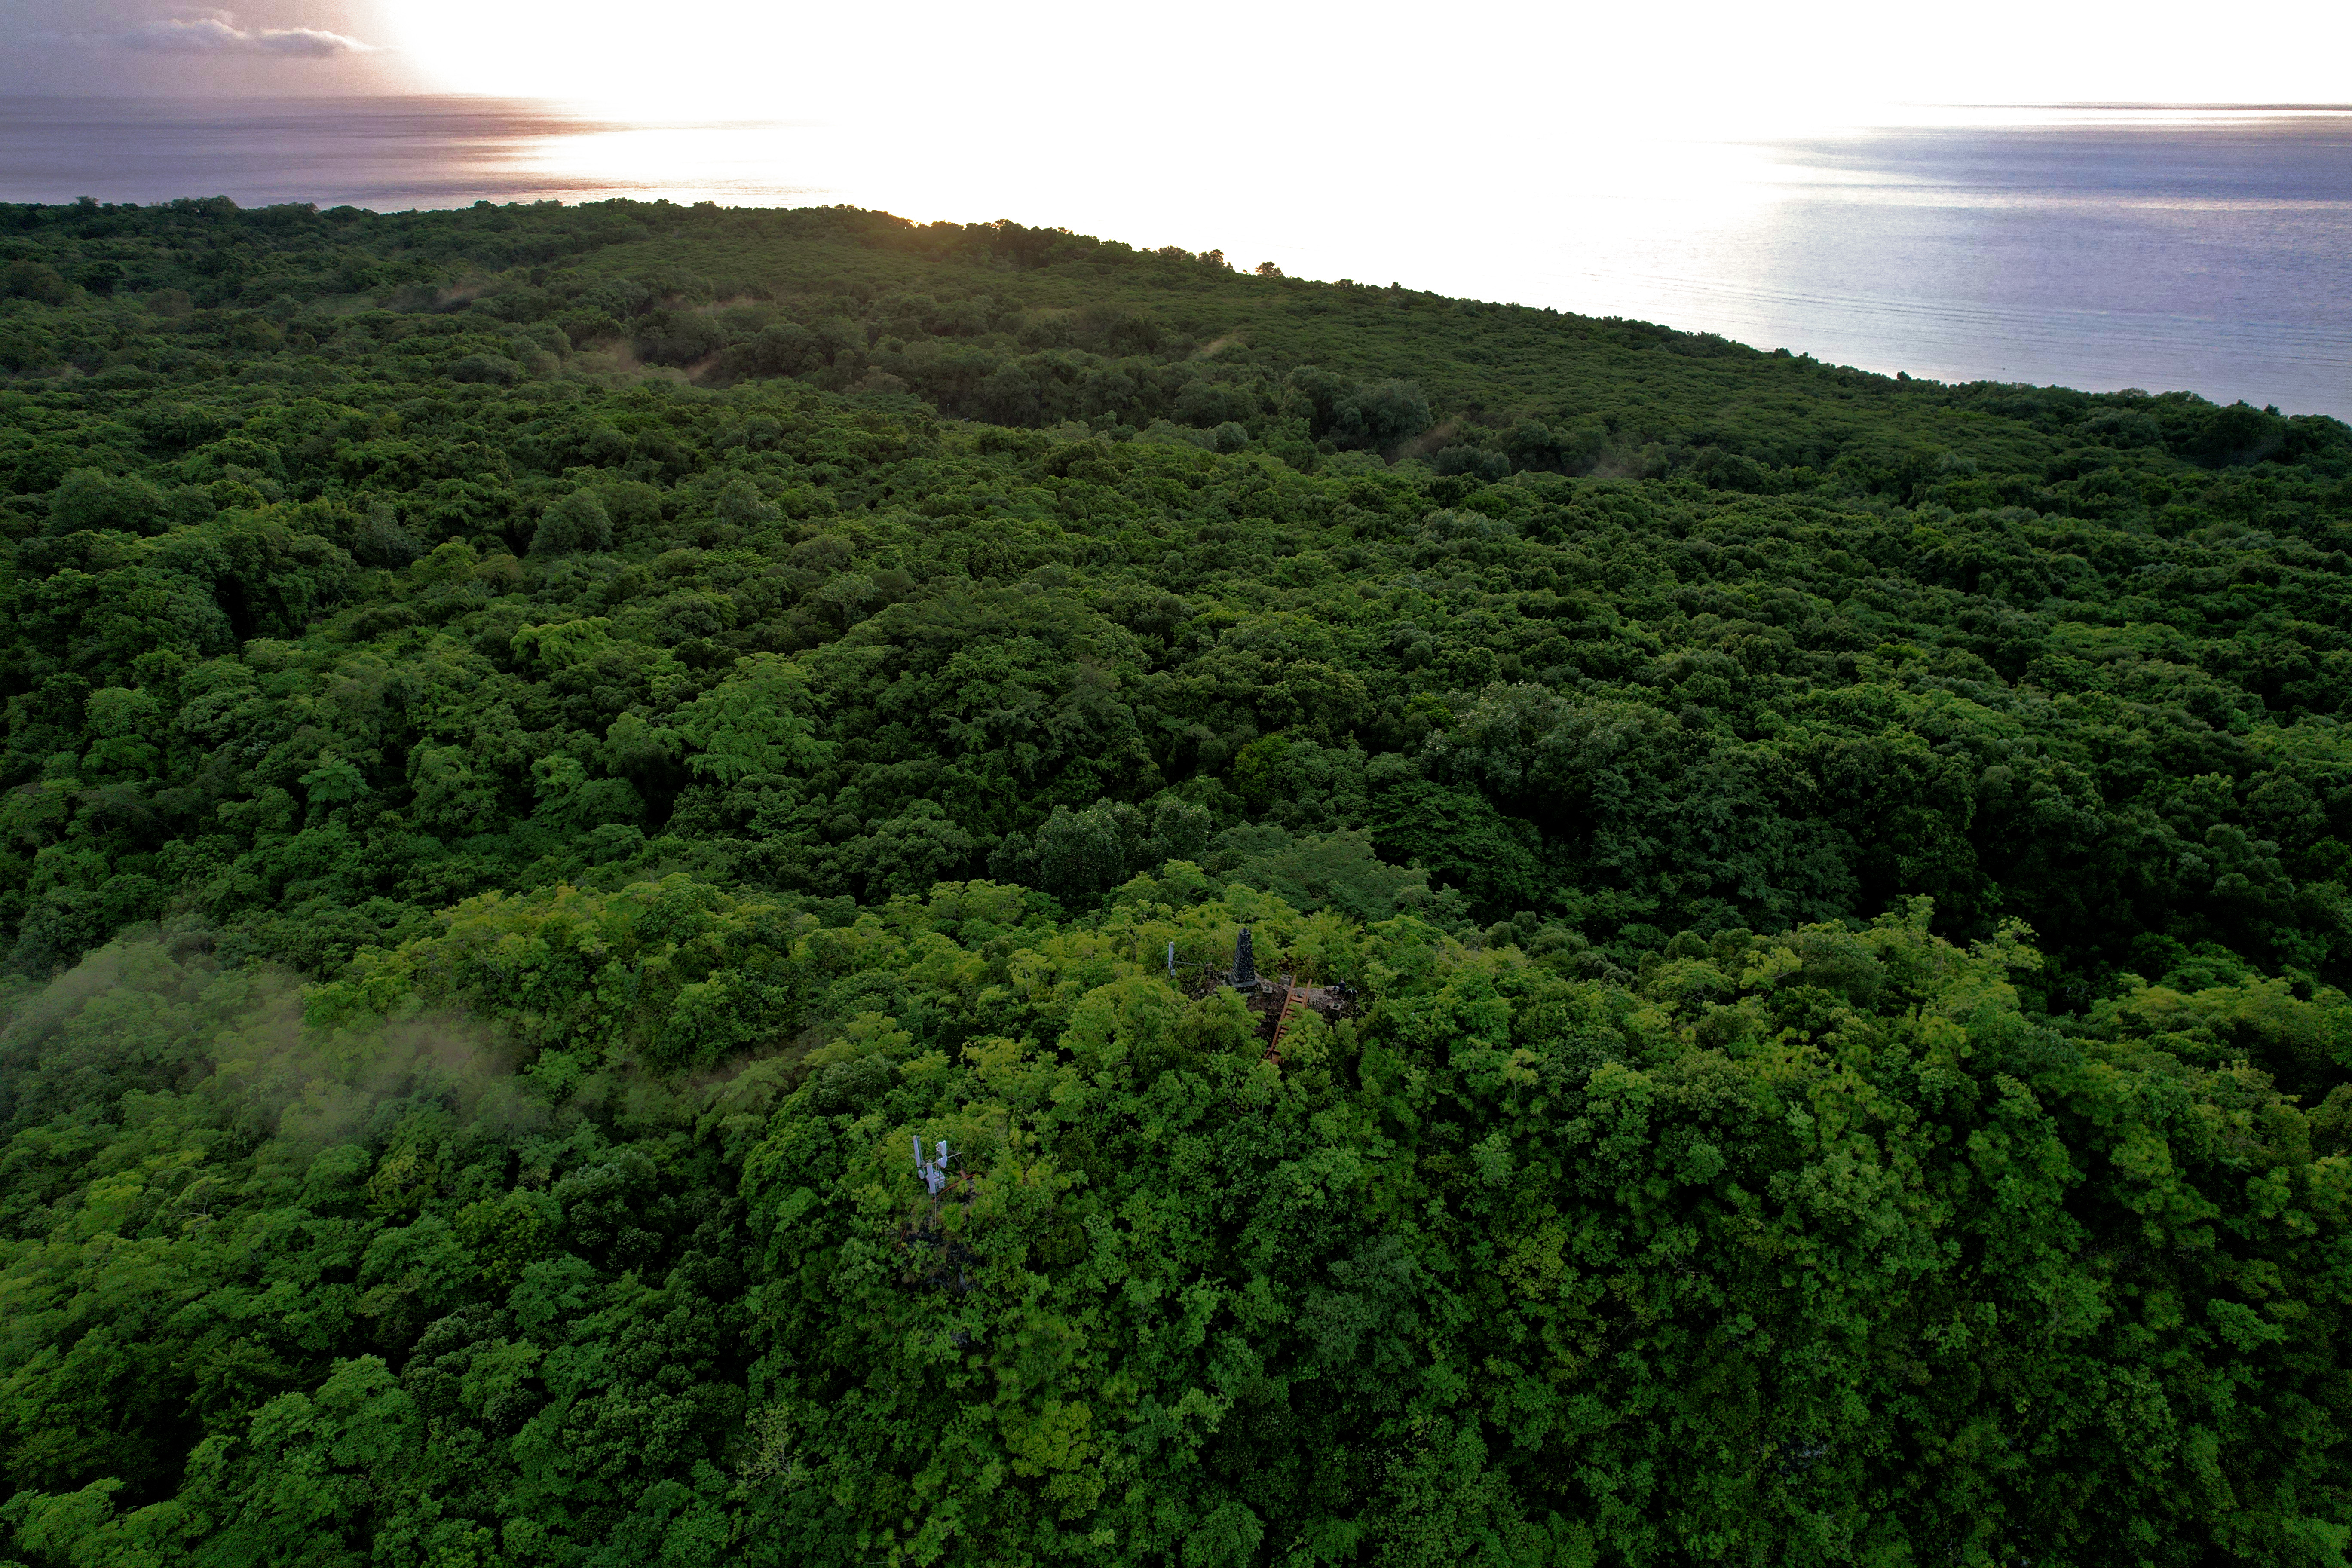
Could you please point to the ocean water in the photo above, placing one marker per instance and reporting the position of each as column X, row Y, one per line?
column 2202, row 250
column 2206, row 253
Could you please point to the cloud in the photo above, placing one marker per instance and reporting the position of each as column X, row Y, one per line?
column 219, row 34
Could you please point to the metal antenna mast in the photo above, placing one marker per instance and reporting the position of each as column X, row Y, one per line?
column 933, row 1172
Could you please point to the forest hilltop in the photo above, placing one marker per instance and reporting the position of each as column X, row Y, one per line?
column 1800, row 917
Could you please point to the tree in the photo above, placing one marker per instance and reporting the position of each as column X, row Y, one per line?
column 37, row 281
column 577, row 521
column 93, row 498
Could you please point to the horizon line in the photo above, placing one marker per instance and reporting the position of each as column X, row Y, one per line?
column 2314, row 108
column 2344, row 107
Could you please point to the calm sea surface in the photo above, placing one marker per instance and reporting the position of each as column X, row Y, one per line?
column 2210, row 250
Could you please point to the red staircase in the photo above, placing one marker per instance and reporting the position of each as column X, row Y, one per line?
column 1292, row 1006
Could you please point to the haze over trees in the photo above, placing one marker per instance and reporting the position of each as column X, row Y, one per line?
column 545, row 744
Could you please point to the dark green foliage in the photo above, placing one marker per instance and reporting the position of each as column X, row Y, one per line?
column 27, row 279
column 92, row 499
column 601, row 648
column 576, row 521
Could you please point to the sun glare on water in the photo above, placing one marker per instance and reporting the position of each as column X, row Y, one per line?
column 1574, row 158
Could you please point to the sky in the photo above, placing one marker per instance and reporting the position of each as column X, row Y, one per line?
column 1336, row 82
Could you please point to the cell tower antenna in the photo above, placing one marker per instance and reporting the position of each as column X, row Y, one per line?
column 934, row 1173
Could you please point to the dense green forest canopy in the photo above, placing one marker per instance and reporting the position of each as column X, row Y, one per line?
column 545, row 743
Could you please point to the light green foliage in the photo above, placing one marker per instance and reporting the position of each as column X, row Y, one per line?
column 753, row 725
column 284, row 1283
column 1803, row 1248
